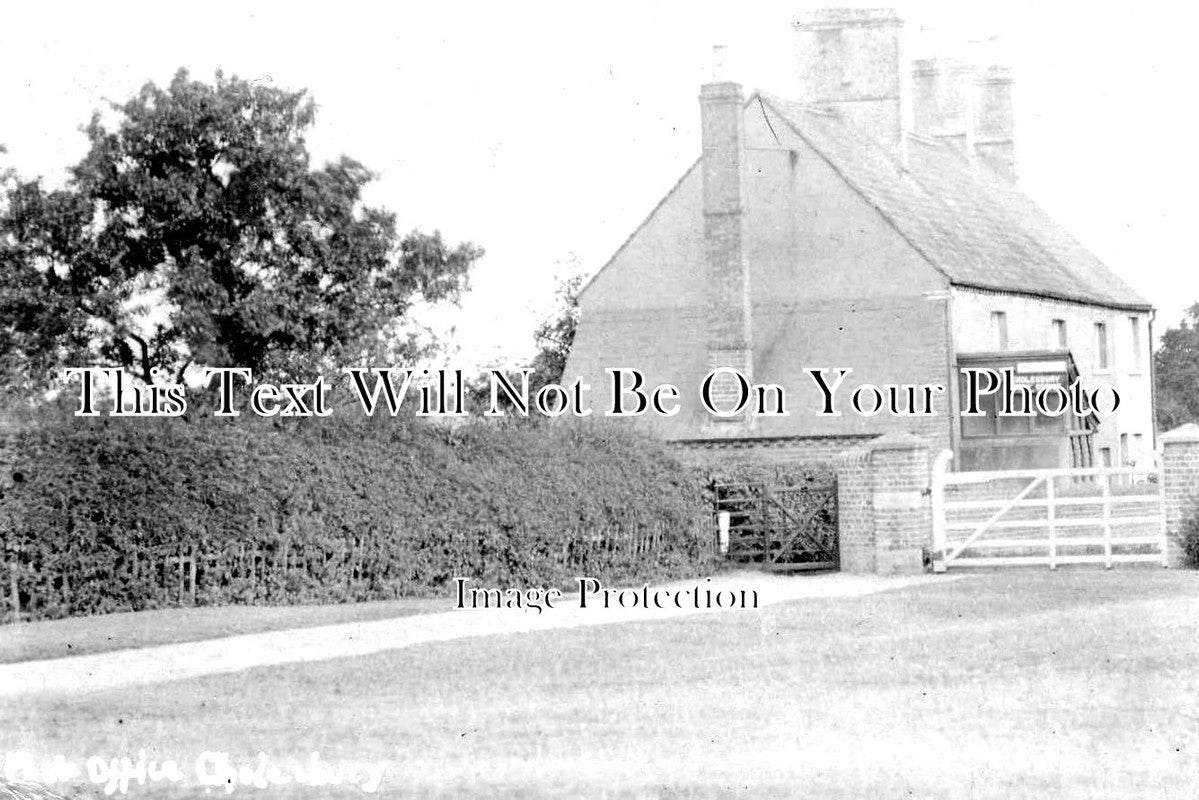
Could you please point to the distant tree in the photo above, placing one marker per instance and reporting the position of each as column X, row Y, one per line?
column 553, row 338
column 556, row 334
column 196, row 230
column 1176, row 369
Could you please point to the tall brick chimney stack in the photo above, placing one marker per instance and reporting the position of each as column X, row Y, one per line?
column 995, row 140
column 730, row 341
column 967, row 101
column 850, row 62
column 943, row 100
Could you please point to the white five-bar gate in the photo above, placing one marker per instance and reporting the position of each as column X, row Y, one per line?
column 1046, row 517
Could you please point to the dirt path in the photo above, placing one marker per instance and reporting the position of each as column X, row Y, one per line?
column 174, row 662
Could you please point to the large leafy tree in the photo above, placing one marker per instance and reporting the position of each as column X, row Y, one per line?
column 1176, row 368
column 196, row 230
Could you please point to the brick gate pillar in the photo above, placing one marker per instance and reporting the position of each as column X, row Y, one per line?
column 1180, row 486
column 855, row 514
column 883, row 506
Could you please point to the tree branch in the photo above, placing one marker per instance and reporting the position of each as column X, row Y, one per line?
column 182, row 369
column 145, row 348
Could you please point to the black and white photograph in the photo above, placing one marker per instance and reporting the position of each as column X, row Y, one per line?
column 644, row 400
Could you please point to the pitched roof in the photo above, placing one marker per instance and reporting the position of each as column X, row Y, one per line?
column 978, row 230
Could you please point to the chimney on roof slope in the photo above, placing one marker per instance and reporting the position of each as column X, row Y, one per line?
column 849, row 61
column 730, row 344
column 994, row 139
column 967, row 101
column 943, row 100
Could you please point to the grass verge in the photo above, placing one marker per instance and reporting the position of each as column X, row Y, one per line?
column 1021, row 684
column 31, row 641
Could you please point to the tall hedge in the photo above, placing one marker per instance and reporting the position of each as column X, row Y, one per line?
column 118, row 514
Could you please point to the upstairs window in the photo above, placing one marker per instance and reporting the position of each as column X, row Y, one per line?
column 1101, row 355
column 1134, row 324
column 999, row 329
column 1057, row 335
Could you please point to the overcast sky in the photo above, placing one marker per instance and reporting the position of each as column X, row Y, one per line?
column 546, row 131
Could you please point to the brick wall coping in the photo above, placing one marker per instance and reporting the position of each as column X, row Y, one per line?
column 855, row 455
column 1186, row 433
column 898, row 441
column 746, row 442
column 888, row 442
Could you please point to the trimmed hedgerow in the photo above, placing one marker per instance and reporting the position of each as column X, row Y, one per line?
column 119, row 514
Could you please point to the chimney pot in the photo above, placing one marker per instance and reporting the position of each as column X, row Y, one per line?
column 719, row 63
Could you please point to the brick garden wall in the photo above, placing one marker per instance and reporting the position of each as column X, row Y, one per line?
column 800, row 452
column 1180, row 479
column 883, row 490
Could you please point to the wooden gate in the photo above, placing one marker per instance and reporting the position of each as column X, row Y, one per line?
column 1047, row 517
column 779, row 528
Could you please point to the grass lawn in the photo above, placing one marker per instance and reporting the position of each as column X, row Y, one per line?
column 1023, row 684
column 80, row 635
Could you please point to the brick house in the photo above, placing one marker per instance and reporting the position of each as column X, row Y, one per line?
column 873, row 226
